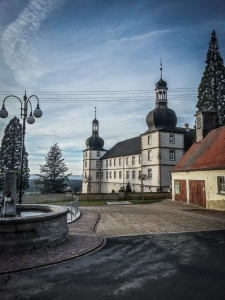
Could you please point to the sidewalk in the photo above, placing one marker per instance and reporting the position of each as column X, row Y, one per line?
column 82, row 240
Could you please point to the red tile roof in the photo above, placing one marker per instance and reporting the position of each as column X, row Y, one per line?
column 208, row 154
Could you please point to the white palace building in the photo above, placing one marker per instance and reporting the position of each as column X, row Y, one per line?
column 152, row 153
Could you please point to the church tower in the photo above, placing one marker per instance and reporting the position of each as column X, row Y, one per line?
column 91, row 160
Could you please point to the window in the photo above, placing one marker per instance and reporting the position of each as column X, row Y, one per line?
column 221, row 184
column 98, row 153
column 149, row 139
column 114, row 162
column 149, row 173
column 86, row 154
column 120, row 174
column 85, row 163
column 107, row 175
column 139, row 159
column 114, row 174
column 127, row 160
column 150, row 155
column 172, row 154
column 133, row 160
column 133, row 175
column 140, row 172
column 110, row 162
column 172, row 138
column 110, row 175
column 127, row 174
column 107, row 163
column 97, row 175
column 120, row 161
column 97, row 164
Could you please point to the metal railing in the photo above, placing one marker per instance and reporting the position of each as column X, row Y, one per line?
column 72, row 206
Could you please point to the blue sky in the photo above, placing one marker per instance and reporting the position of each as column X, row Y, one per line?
column 78, row 54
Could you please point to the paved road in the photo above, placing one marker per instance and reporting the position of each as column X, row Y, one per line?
column 165, row 266
column 166, row 250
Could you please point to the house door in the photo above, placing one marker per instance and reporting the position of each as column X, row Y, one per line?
column 180, row 190
column 197, row 192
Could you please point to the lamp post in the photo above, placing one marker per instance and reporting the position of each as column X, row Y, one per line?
column 30, row 120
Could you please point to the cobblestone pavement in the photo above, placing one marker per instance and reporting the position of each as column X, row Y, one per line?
column 88, row 233
column 162, row 217
column 82, row 240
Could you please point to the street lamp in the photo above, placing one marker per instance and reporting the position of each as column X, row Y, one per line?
column 37, row 114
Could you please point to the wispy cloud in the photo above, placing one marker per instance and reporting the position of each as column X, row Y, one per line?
column 17, row 41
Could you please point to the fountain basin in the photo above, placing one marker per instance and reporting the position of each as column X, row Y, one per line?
column 18, row 234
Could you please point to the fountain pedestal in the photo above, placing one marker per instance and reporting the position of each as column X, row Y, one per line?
column 8, row 205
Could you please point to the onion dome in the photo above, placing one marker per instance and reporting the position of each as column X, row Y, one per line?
column 95, row 142
column 162, row 116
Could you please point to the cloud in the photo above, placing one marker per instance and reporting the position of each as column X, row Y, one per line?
column 17, row 41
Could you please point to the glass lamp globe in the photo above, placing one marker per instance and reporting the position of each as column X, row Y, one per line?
column 37, row 112
column 3, row 112
column 30, row 119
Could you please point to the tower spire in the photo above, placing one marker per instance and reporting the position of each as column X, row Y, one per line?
column 161, row 68
column 95, row 112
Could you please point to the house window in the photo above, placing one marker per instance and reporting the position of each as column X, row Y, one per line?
column 139, row 159
column 98, row 153
column 110, row 175
column 133, row 174
column 149, row 139
column 85, row 163
column 110, row 162
column 97, row 163
column 120, row 161
column 133, row 160
column 150, row 155
column 107, row 163
column 127, row 160
column 86, row 154
column 114, row 162
column 114, row 174
column 127, row 174
column 97, row 175
column 221, row 184
column 140, row 172
column 120, row 174
column 107, row 175
column 172, row 138
column 172, row 154
column 149, row 173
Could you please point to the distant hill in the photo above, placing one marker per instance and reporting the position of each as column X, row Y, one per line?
column 75, row 183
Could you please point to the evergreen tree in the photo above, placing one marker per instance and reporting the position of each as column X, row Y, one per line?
column 10, row 155
column 128, row 187
column 211, row 90
column 53, row 171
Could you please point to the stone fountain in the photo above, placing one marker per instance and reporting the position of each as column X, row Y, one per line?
column 18, row 233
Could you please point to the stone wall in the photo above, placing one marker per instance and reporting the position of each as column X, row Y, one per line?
column 46, row 198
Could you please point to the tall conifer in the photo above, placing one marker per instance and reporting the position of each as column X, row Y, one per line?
column 53, row 175
column 211, row 90
column 10, row 155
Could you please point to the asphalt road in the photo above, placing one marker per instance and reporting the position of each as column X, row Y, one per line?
column 162, row 266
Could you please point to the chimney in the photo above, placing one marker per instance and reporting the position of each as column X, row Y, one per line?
column 205, row 122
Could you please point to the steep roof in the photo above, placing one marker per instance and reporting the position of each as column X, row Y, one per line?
column 209, row 154
column 128, row 147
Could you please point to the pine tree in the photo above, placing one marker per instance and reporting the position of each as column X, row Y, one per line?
column 53, row 171
column 10, row 155
column 211, row 90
